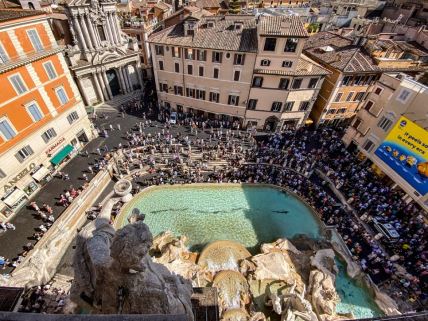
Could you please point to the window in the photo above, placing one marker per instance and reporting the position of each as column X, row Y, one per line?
column 338, row 97
column 188, row 54
column 288, row 106
column 34, row 111
column 257, row 81
column 201, row 55
column 50, row 70
column 101, row 33
column 359, row 96
column 291, row 45
column 62, row 96
column 297, row 83
column 384, row 123
column 378, row 90
column 215, row 97
column 357, row 123
column 304, row 106
column 178, row 90
column 349, row 97
column 201, row 71
column 233, row 100
column 3, row 55
column 287, row 64
column 177, row 67
column 190, row 92
column 190, row 69
column 72, row 117
column 6, row 129
column 358, row 80
column 283, row 83
column 176, row 52
column 217, row 56
column 368, row 105
column 236, row 75
column 270, row 44
column 164, row 87
column 215, row 73
column 159, row 50
column 18, row 84
column 49, row 134
column 35, row 40
column 265, row 62
column 239, row 59
column 313, row 82
column 404, row 95
column 252, row 104
column 368, row 145
column 276, row 106
column 160, row 65
column 341, row 110
column 24, row 153
column 200, row 94
column 346, row 80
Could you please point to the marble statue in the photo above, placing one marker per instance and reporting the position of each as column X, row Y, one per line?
column 115, row 275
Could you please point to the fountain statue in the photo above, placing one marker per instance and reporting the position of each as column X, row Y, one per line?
column 115, row 275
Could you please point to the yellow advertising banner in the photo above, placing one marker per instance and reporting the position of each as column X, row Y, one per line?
column 405, row 150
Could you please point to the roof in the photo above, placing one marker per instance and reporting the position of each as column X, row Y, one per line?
column 162, row 6
column 12, row 14
column 305, row 67
column 339, row 53
column 207, row 3
column 222, row 36
column 282, row 26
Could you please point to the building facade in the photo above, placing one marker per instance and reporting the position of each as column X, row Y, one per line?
column 43, row 119
column 237, row 68
column 105, row 61
column 395, row 96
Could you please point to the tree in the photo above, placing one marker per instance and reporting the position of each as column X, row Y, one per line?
column 234, row 6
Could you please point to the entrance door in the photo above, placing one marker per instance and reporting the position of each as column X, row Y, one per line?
column 270, row 124
column 113, row 82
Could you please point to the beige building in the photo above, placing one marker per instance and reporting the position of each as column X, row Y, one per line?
column 393, row 97
column 237, row 68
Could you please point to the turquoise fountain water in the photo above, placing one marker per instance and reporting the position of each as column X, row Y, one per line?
column 250, row 215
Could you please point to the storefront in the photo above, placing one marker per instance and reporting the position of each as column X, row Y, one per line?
column 62, row 155
column 42, row 175
column 15, row 199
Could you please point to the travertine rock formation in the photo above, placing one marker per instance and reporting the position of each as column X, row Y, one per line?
column 115, row 275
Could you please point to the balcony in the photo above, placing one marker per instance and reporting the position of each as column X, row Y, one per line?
column 22, row 60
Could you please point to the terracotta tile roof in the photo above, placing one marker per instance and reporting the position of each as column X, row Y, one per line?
column 12, row 14
column 282, row 26
column 340, row 53
column 208, row 4
column 305, row 67
column 163, row 6
column 222, row 36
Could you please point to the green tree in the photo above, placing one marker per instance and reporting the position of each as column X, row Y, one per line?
column 234, row 6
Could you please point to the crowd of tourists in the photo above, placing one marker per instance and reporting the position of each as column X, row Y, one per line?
column 303, row 161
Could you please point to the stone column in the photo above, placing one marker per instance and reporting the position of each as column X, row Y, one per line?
column 85, row 32
column 140, row 75
column 97, row 86
column 126, row 77
column 80, row 37
column 116, row 23
column 109, row 31
column 122, row 81
column 113, row 28
column 82, row 91
column 107, row 86
column 102, row 85
column 91, row 32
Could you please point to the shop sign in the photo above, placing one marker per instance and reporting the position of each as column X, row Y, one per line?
column 54, row 146
column 19, row 176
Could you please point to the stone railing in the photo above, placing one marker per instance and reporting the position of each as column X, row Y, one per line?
column 11, row 316
column 40, row 265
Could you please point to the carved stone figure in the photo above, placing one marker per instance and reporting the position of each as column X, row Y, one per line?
column 115, row 275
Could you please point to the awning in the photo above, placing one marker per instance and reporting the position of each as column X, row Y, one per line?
column 63, row 153
column 41, row 173
column 14, row 197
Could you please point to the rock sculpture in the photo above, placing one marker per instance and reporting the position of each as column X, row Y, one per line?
column 115, row 275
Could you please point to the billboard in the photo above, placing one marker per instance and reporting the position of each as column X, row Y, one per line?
column 405, row 150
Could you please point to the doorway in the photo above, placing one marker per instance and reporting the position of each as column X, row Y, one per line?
column 113, row 82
